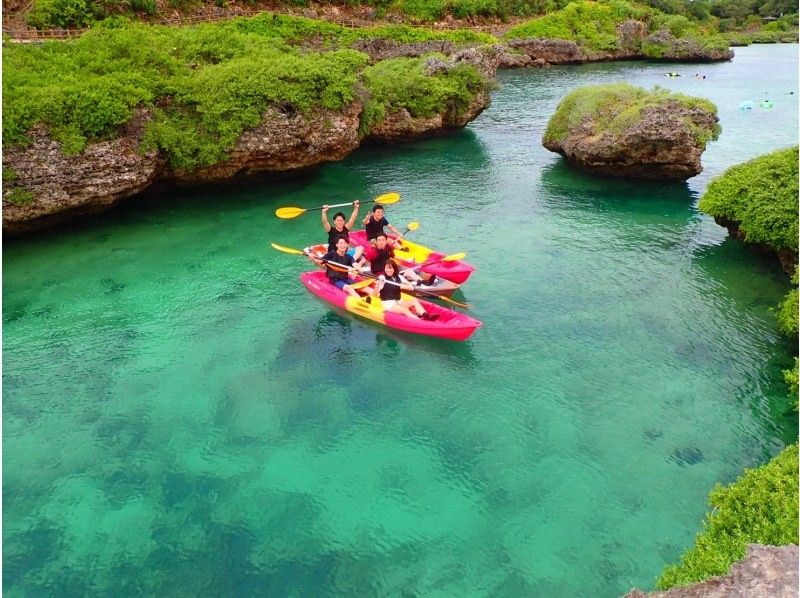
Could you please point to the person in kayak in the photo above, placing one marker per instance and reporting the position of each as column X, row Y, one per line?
column 374, row 223
column 389, row 287
column 341, row 280
column 382, row 252
column 339, row 229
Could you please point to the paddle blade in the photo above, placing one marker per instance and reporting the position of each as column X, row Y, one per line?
column 454, row 257
column 361, row 284
column 287, row 213
column 412, row 226
column 286, row 249
column 387, row 198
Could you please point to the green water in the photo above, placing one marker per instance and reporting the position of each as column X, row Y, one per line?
column 181, row 418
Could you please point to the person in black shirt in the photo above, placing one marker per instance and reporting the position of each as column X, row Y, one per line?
column 341, row 280
column 389, row 287
column 340, row 229
column 374, row 223
column 382, row 252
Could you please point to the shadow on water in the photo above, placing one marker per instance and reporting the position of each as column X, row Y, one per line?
column 578, row 188
column 341, row 342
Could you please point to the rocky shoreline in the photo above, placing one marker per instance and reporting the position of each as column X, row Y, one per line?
column 107, row 172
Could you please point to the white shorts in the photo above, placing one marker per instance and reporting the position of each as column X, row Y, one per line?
column 389, row 303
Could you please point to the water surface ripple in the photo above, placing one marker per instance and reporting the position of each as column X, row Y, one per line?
column 181, row 418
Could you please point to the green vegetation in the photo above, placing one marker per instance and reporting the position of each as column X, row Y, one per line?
column 791, row 376
column 787, row 313
column 615, row 107
column 710, row 16
column 591, row 24
column 295, row 30
column 402, row 83
column 760, row 506
column 205, row 85
column 19, row 196
column 761, row 195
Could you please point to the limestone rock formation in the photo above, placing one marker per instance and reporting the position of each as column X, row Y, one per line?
column 644, row 138
column 286, row 140
column 633, row 41
column 67, row 186
column 765, row 571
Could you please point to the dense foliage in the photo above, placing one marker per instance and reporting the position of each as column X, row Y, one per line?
column 759, row 507
column 761, row 195
column 203, row 85
column 402, row 83
column 616, row 106
column 713, row 15
column 591, row 24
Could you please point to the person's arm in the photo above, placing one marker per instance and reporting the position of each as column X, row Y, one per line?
column 325, row 224
column 354, row 215
column 393, row 229
column 367, row 217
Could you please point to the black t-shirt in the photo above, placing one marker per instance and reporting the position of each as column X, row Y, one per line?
column 374, row 227
column 391, row 292
column 381, row 256
column 333, row 236
column 344, row 260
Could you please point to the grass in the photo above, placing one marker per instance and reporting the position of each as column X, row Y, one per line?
column 617, row 106
column 19, row 196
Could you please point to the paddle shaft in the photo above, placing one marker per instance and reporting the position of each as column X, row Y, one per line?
column 413, row 289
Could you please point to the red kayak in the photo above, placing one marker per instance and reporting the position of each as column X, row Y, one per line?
column 451, row 325
column 412, row 254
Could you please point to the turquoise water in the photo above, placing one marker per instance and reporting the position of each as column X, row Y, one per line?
column 181, row 418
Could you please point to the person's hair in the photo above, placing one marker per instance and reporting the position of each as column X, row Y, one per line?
column 381, row 234
column 377, row 206
column 337, row 214
column 394, row 266
column 340, row 237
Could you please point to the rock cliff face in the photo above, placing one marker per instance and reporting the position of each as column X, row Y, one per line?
column 107, row 172
column 661, row 144
column 68, row 186
column 631, row 37
column 285, row 140
column 765, row 571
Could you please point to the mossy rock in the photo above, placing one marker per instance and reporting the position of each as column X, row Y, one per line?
column 626, row 131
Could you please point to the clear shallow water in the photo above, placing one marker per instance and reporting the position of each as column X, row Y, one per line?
column 180, row 417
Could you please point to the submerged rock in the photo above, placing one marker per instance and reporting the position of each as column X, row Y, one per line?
column 765, row 571
column 625, row 131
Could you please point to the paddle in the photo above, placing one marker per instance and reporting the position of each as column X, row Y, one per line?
column 339, row 267
column 370, row 277
column 293, row 212
column 448, row 258
column 362, row 284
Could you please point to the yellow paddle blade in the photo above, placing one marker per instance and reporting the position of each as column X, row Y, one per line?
column 361, row 284
column 289, row 212
column 412, row 226
column 387, row 198
column 286, row 249
column 454, row 257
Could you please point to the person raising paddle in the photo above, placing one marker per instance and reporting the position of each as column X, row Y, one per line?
column 341, row 280
column 374, row 223
column 340, row 229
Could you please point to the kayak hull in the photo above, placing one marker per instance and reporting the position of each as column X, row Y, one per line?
column 441, row 286
column 412, row 254
column 451, row 325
